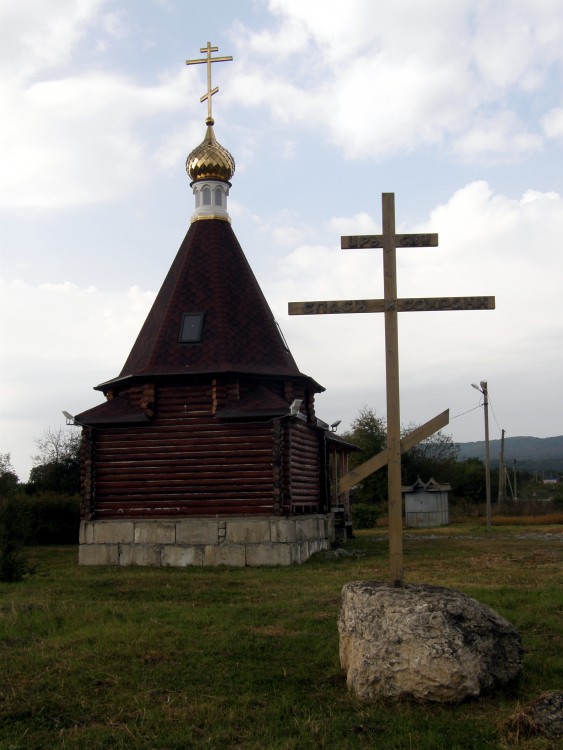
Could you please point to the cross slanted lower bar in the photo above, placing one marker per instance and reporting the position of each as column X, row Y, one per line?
column 391, row 306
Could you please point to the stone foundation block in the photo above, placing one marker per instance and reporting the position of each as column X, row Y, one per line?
column 197, row 531
column 155, row 532
column 282, row 530
column 98, row 554
column 228, row 554
column 86, row 532
column 113, row 532
column 243, row 532
column 181, row 557
column 140, row 554
column 269, row 555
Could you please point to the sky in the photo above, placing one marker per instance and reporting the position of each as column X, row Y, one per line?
column 456, row 107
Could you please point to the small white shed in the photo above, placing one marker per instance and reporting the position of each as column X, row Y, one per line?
column 426, row 504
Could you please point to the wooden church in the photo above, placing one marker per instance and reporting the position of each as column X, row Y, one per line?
column 207, row 449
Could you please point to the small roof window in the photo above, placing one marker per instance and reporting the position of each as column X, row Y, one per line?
column 191, row 328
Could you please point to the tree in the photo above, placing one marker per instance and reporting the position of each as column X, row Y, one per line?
column 8, row 478
column 433, row 457
column 57, row 464
column 369, row 433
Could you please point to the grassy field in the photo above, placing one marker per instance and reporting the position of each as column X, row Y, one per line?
column 248, row 658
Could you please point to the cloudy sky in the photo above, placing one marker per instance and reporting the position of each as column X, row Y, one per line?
column 456, row 107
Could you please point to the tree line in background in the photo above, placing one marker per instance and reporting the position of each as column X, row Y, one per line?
column 436, row 457
column 44, row 510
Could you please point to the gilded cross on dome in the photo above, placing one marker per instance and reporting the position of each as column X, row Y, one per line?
column 210, row 91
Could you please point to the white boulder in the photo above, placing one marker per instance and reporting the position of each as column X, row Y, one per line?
column 423, row 642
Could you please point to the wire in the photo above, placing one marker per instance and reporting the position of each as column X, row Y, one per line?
column 494, row 415
column 466, row 412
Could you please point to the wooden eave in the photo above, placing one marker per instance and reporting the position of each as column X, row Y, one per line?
column 117, row 411
column 181, row 374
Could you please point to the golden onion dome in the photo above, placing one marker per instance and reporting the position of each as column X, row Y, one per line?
column 210, row 160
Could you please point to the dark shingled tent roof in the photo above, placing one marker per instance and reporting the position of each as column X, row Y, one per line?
column 209, row 275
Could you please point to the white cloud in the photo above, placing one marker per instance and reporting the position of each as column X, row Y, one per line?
column 74, row 136
column 88, row 147
column 58, row 341
column 553, row 123
column 501, row 137
column 419, row 74
column 35, row 37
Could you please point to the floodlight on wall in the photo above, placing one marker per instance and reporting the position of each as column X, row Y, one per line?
column 295, row 406
column 334, row 425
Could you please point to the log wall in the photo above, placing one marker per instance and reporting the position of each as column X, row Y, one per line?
column 303, row 469
column 183, row 463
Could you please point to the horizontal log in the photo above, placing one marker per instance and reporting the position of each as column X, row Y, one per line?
column 182, row 503
column 185, row 513
column 192, row 450
column 163, row 464
column 180, row 425
column 206, row 507
column 186, row 450
column 166, row 482
column 304, row 472
column 111, row 495
column 195, row 495
column 183, row 438
column 305, row 449
column 304, row 476
column 296, row 457
column 297, row 499
column 179, row 432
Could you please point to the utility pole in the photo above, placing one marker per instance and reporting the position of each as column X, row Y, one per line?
column 483, row 388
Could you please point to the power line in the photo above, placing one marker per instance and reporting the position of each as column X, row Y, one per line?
column 494, row 415
column 466, row 412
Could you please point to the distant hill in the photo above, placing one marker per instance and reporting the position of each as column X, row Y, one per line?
column 531, row 454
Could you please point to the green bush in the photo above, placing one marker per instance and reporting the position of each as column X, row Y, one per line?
column 364, row 516
column 55, row 518
column 14, row 532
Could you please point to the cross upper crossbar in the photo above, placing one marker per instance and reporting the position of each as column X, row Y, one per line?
column 376, row 240
column 390, row 306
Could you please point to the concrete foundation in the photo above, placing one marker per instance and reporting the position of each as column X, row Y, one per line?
column 181, row 542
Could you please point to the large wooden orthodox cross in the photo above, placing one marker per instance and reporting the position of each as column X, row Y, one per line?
column 390, row 306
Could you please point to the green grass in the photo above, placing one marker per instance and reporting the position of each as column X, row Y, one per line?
column 248, row 658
